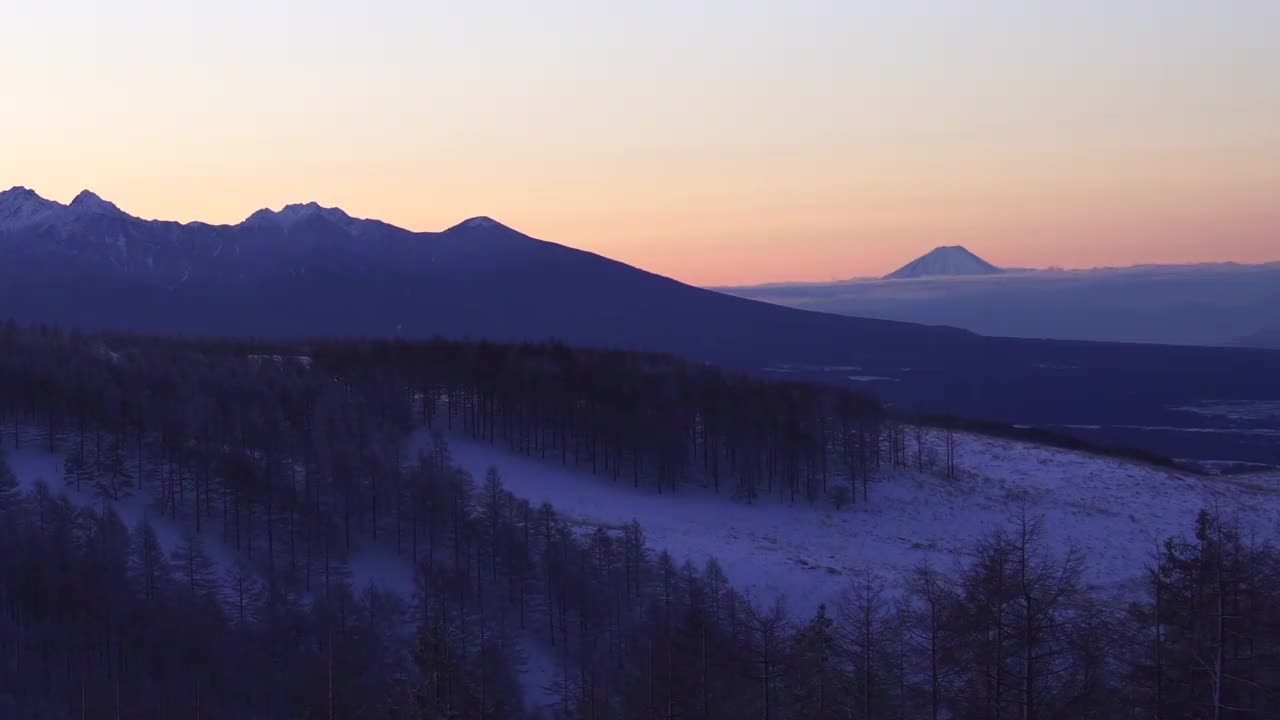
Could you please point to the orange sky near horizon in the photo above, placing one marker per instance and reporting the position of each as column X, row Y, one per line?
column 727, row 143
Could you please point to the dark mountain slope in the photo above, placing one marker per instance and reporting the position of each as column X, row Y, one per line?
column 312, row 271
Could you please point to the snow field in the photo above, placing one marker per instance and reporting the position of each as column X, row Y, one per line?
column 1114, row 510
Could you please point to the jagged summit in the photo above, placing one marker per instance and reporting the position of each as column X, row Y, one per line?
column 292, row 214
column 22, row 206
column 944, row 261
column 88, row 201
column 18, row 191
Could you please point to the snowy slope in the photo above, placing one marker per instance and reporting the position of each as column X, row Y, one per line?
column 31, row 464
column 369, row 565
column 1115, row 511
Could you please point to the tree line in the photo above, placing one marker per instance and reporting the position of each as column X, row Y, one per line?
column 216, row 411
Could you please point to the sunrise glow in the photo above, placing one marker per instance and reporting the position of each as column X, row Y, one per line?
column 719, row 143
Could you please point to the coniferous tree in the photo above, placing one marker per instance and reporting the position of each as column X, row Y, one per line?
column 195, row 571
column 819, row 689
column 9, row 495
column 148, row 564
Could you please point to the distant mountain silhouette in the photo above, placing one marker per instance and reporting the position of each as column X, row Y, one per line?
column 307, row 271
column 312, row 271
column 1219, row 304
column 946, row 260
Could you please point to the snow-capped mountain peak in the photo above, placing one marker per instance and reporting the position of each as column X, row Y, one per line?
column 292, row 214
column 300, row 210
column 945, row 260
column 20, row 206
column 87, row 201
column 480, row 222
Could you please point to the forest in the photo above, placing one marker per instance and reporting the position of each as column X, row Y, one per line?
column 291, row 456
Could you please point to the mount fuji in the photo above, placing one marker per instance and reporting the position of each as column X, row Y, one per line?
column 945, row 260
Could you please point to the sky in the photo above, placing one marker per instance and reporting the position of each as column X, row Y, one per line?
column 719, row 142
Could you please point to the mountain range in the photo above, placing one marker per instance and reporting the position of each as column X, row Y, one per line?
column 307, row 271
column 312, row 271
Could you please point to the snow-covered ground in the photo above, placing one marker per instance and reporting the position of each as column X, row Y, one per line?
column 33, row 462
column 369, row 565
column 1114, row 510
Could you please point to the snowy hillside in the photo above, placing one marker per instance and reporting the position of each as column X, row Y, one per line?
column 1113, row 510
column 31, row 464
